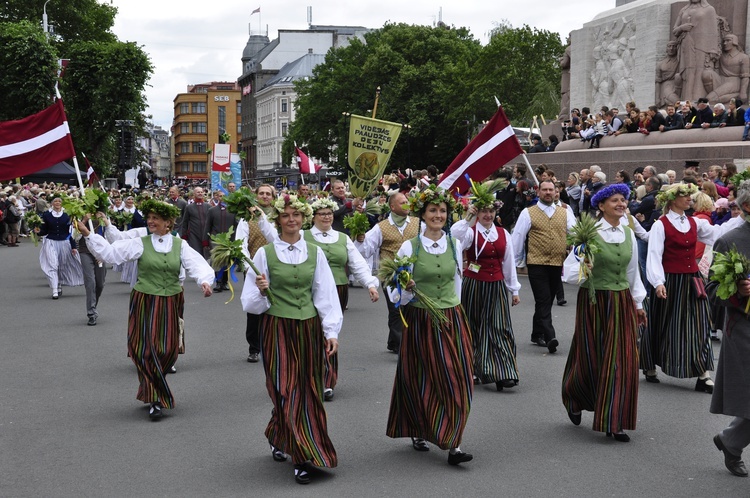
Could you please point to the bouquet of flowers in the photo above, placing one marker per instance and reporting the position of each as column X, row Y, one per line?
column 583, row 238
column 33, row 221
column 396, row 273
column 240, row 201
column 227, row 255
column 121, row 219
column 727, row 269
column 357, row 224
column 90, row 202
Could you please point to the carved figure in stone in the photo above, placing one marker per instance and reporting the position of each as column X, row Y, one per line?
column 600, row 79
column 620, row 82
column 668, row 79
column 731, row 77
column 565, row 82
column 697, row 32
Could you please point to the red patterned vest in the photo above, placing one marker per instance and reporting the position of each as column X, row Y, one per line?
column 679, row 248
column 490, row 259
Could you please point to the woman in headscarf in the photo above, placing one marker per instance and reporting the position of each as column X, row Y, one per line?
column 59, row 257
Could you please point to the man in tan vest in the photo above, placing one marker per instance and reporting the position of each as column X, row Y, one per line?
column 540, row 233
column 385, row 239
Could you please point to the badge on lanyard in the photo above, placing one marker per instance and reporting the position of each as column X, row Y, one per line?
column 475, row 267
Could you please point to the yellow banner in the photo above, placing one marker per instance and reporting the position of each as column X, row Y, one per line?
column 371, row 142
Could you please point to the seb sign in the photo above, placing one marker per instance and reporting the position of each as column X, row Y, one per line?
column 221, row 98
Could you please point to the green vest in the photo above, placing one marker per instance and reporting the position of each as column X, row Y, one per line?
column 292, row 285
column 434, row 275
column 610, row 271
column 159, row 274
column 336, row 255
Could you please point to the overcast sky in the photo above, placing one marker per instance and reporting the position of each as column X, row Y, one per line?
column 195, row 41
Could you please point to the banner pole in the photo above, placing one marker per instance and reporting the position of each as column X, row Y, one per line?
column 531, row 170
column 377, row 98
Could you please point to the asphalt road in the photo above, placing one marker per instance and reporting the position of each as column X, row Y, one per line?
column 70, row 425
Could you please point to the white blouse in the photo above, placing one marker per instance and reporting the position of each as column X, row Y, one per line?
column 357, row 264
column 464, row 233
column 324, row 295
column 427, row 246
column 707, row 234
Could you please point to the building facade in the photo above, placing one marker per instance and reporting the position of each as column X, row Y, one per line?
column 156, row 149
column 201, row 116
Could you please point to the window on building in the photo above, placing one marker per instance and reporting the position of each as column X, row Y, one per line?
column 184, row 147
column 199, row 147
column 239, row 107
column 184, row 127
column 199, row 108
column 184, row 108
column 284, row 105
column 284, row 128
column 182, row 167
column 199, row 166
column 222, row 119
column 199, row 127
column 239, row 129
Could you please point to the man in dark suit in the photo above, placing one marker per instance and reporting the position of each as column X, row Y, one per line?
column 194, row 221
column 178, row 202
column 338, row 191
column 219, row 220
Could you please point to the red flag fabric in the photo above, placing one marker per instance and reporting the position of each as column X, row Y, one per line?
column 495, row 146
column 306, row 166
column 90, row 173
column 256, row 11
column 35, row 142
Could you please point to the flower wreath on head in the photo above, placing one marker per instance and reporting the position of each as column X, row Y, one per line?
column 664, row 197
column 609, row 191
column 418, row 201
column 290, row 200
column 324, row 203
column 162, row 209
column 483, row 194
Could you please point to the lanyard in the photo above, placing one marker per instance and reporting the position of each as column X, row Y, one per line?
column 477, row 252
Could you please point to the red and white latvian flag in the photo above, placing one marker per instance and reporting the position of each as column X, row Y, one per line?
column 494, row 147
column 34, row 143
column 306, row 166
column 90, row 173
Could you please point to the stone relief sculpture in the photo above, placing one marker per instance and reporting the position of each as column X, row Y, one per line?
column 614, row 63
column 699, row 39
column 565, row 81
column 731, row 75
column 668, row 79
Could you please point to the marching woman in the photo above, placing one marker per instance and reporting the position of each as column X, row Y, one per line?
column 59, row 256
column 299, row 327
column 488, row 278
column 678, row 337
column 601, row 374
column 340, row 254
column 157, row 299
column 433, row 387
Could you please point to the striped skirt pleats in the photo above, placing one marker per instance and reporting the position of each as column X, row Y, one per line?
column 293, row 359
column 678, row 336
column 601, row 374
column 59, row 264
column 153, row 334
column 488, row 313
column 332, row 361
column 433, row 388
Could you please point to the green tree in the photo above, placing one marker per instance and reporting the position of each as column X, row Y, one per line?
column 422, row 73
column 520, row 66
column 29, row 65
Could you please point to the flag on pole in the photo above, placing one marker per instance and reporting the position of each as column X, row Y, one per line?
column 90, row 173
column 256, row 11
column 306, row 166
column 35, row 142
column 495, row 146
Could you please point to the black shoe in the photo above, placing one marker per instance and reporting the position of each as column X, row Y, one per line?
column 702, row 386
column 622, row 437
column 301, row 475
column 328, row 394
column 562, row 302
column 393, row 350
column 715, row 338
column 217, row 289
column 224, row 287
column 652, row 378
column 574, row 417
column 155, row 412
column 540, row 342
column 552, row 345
column 277, row 454
column 734, row 464
column 253, row 357
column 459, row 457
column 92, row 320
column 419, row 444
column 172, row 369
column 505, row 383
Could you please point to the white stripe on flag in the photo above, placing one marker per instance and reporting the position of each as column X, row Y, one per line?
column 500, row 137
column 35, row 143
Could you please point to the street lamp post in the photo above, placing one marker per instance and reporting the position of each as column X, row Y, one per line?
column 45, row 24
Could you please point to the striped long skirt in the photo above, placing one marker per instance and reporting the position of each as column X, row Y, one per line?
column 488, row 313
column 433, row 387
column 59, row 264
column 153, row 334
column 678, row 336
column 601, row 374
column 332, row 361
column 293, row 359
